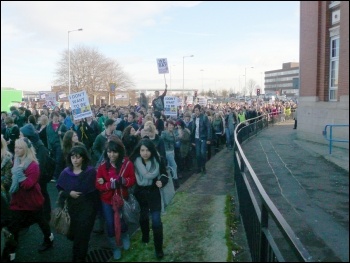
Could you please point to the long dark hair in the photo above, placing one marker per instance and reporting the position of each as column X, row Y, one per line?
column 79, row 150
column 150, row 146
column 114, row 146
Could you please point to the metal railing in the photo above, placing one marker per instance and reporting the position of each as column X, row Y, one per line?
column 330, row 139
column 270, row 238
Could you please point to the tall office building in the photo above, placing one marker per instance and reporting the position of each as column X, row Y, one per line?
column 283, row 81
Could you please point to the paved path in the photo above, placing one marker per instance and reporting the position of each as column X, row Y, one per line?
column 308, row 188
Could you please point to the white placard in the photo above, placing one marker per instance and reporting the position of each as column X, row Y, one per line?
column 162, row 64
column 202, row 101
column 80, row 105
column 170, row 106
column 189, row 100
column 50, row 99
column 122, row 96
column 62, row 95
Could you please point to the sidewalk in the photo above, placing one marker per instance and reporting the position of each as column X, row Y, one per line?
column 308, row 186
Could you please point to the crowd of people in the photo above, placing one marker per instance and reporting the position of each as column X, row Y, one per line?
column 95, row 159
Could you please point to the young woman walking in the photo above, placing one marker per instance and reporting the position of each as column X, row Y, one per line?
column 114, row 176
column 76, row 184
column 148, row 168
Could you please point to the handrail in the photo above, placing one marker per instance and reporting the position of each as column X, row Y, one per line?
column 330, row 139
column 261, row 241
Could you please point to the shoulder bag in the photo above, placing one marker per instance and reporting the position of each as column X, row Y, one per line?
column 167, row 192
column 131, row 208
column 60, row 220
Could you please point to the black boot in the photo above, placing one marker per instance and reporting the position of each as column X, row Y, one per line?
column 47, row 244
column 176, row 183
column 145, row 231
column 158, row 241
column 8, row 254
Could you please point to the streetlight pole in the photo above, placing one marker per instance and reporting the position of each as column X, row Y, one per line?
column 202, row 77
column 171, row 69
column 239, row 80
column 245, row 78
column 183, row 78
column 80, row 29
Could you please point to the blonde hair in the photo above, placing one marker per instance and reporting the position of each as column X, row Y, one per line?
column 148, row 118
column 150, row 127
column 44, row 120
column 4, row 148
column 26, row 144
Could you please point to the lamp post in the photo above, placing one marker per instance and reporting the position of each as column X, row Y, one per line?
column 239, row 82
column 183, row 78
column 171, row 69
column 245, row 78
column 202, row 77
column 80, row 29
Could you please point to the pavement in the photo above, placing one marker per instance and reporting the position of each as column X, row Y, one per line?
column 308, row 186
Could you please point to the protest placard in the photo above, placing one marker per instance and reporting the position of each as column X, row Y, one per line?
column 50, row 99
column 162, row 64
column 170, row 106
column 80, row 105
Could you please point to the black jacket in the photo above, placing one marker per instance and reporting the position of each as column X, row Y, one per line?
column 205, row 130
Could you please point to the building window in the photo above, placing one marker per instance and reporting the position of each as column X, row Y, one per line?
column 334, row 69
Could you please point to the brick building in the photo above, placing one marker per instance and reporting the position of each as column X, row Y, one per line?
column 324, row 69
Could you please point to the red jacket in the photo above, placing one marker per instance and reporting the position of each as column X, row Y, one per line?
column 28, row 197
column 105, row 188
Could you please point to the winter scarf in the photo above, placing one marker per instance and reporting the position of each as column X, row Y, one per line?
column 18, row 175
column 146, row 174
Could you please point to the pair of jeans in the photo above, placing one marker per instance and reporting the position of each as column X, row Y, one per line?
column 170, row 157
column 201, row 153
column 108, row 214
column 59, row 161
column 155, row 217
column 229, row 139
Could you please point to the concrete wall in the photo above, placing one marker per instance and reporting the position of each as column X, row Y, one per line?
column 314, row 115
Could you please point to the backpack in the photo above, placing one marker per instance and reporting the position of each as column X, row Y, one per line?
column 49, row 164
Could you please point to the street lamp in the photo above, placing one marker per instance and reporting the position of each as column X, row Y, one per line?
column 239, row 82
column 245, row 77
column 183, row 78
column 171, row 69
column 80, row 29
column 202, row 77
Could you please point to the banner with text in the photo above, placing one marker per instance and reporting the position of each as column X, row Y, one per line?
column 50, row 99
column 162, row 65
column 170, row 106
column 80, row 105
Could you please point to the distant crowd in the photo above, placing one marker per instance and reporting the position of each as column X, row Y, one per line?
column 115, row 150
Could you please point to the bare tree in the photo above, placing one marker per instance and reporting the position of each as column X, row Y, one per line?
column 224, row 93
column 91, row 71
column 251, row 86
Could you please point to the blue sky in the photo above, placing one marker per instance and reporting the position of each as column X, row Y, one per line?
column 226, row 39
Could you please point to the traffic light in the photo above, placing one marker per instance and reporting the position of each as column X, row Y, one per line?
column 258, row 92
column 195, row 94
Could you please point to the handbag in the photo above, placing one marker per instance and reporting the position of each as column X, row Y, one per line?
column 167, row 192
column 60, row 220
column 131, row 208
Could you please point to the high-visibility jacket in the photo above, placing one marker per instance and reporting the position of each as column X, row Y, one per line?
column 241, row 117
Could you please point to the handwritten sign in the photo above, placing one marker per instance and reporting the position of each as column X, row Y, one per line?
column 170, row 106
column 50, row 99
column 80, row 105
column 162, row 65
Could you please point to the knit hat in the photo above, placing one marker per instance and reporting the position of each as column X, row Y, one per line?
column 28, row 131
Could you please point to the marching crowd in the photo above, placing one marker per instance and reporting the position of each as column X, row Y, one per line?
column 94, row 159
